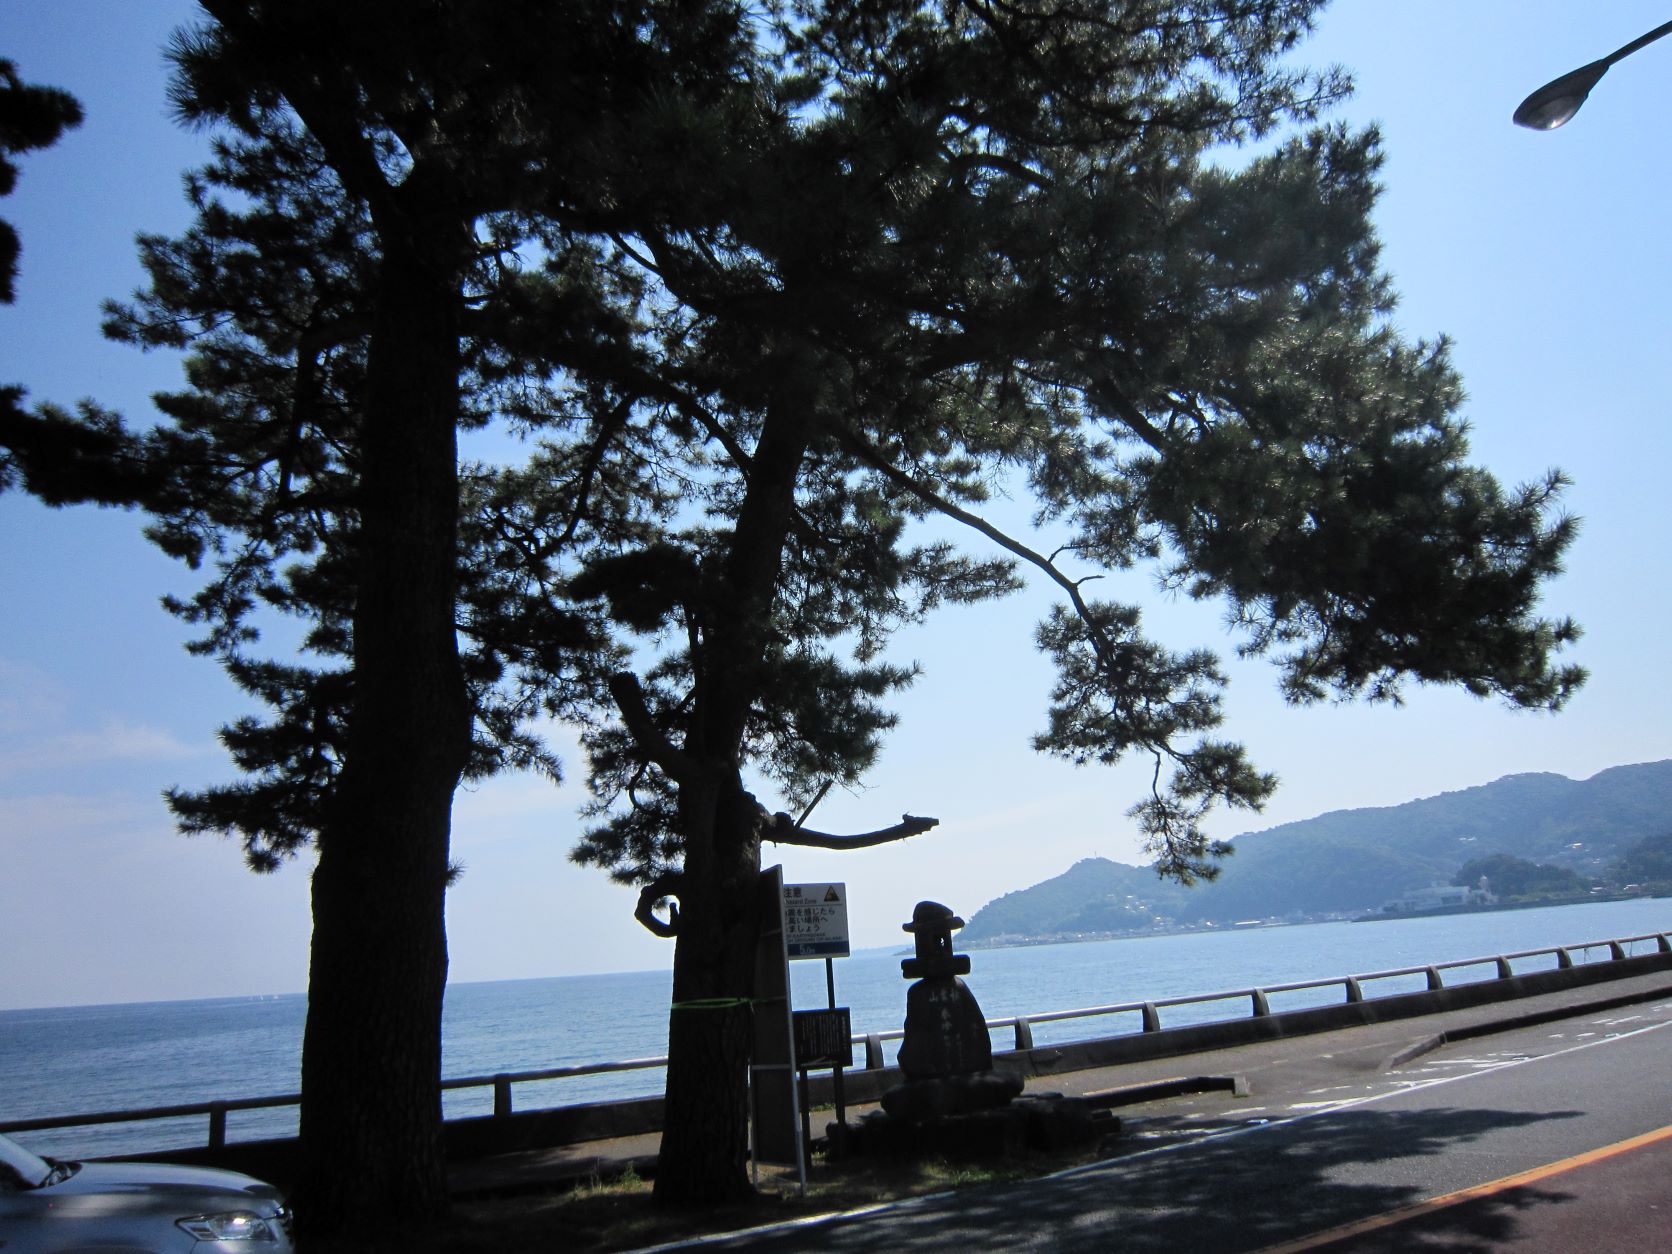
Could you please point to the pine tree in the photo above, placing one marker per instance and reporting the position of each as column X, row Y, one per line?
column 1108, row 255
column 359, row 285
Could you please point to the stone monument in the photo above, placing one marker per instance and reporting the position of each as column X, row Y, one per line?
column 951, row 1102
column 947, row 1056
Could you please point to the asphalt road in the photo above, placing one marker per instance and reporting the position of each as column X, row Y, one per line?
column 1540, row 1121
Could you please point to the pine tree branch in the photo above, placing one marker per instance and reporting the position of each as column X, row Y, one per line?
column 614, row 423
column 874, row 458
column 326, row 107
column 1106, row 392
column 663, row 886
column 960, row 167
column 635, row 713
column 717, row 432
column 1108, row 660
column 781, row 830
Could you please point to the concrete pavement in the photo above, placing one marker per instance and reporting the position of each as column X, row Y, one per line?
column 1613, row 1199
column 1541, row 1139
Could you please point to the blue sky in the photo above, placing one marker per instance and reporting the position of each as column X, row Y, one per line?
column 1542, row 255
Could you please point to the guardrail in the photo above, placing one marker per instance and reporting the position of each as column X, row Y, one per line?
column 1148, row 1012
column 217, row 1111
column 1259, row 999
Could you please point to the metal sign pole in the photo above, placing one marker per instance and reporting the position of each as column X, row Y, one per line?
column 836, row 1073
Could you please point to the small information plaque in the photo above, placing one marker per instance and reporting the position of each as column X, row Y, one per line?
column 823, row 1038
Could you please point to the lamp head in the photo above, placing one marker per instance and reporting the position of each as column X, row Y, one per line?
column 1558, row 100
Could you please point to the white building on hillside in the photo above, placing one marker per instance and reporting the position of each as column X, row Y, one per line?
column 1439, row 897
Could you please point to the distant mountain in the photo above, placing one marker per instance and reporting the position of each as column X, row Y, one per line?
column 1350, row 861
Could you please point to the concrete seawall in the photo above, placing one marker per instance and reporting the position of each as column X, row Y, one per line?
column 487, row 1135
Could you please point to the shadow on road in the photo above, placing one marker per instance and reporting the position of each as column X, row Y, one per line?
column 1235, row 1192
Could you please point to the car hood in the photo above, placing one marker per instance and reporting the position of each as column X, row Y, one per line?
column 158, row 1186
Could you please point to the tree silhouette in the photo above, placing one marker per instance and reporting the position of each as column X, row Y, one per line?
column 31, row 117
column 990, row 246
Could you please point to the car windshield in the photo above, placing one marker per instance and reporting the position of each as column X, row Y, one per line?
column 21, row 1167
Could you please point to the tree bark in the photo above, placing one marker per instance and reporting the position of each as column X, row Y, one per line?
column 371, row 1059
column 705, row 1135
column 705, row 1131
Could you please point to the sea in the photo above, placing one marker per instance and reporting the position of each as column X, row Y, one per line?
column 88, row 1059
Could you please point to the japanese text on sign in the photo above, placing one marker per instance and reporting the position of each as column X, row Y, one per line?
column 823, row 1038
column 816, row 920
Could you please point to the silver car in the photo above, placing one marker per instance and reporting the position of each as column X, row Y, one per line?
column 49, row 1207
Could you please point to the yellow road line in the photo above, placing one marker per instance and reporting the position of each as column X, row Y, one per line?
column 1389, row 1218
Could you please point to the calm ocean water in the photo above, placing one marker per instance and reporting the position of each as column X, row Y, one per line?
column 92, row 1058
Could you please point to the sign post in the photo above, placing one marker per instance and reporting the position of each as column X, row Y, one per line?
column 816, row 926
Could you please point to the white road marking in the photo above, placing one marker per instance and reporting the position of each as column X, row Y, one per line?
column 1260, row 1125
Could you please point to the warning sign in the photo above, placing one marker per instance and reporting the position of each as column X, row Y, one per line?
column 816, row 920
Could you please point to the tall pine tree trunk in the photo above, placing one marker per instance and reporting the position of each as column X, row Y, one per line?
column 705, row 1132
column 371, row 1059
column 705, row 1120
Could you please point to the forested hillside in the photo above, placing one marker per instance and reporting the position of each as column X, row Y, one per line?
column 1354, row 860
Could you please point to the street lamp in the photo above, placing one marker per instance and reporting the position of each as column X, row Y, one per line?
column 1558, row 100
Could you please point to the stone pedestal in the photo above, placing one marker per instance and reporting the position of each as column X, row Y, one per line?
column 1044, row 1123
column 918, row 1101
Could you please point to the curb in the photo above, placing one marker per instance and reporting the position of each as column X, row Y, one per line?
column 1160, row 1090
column 1530, row 1019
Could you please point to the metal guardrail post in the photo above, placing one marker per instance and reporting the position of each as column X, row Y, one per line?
column 1024, row 1033
column 1435, row 983
column 873, row 1052
column 1152, row 1018
column 217, row 1125
column 502, row 1096
column 1262, row 1007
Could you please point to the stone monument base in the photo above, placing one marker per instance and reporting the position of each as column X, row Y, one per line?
column 1042, row 1122
column 936, row 1097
